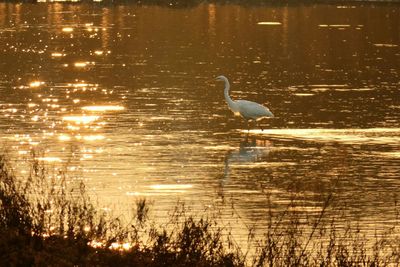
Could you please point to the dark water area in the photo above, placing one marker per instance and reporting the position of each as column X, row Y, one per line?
column 124, row 97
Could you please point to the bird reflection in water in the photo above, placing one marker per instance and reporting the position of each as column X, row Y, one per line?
column 251, row 150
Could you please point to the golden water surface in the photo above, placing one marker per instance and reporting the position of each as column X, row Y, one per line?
column 123, row 97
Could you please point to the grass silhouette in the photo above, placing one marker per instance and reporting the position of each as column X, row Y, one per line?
column 46, row 221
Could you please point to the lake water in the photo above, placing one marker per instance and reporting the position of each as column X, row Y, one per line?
column 125, row 97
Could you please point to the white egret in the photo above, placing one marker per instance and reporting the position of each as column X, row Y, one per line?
column 250, row 111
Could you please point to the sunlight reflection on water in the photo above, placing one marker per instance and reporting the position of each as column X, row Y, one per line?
column 349, row 136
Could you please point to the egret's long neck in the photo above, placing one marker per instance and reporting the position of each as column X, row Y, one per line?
column 228, row 99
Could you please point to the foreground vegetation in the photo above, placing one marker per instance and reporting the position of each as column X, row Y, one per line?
column 47, row 220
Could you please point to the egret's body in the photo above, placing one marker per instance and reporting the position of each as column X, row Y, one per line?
column 250, row 111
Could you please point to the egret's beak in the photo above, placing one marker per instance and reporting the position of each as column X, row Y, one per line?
column 213, row 80
column 210, row 81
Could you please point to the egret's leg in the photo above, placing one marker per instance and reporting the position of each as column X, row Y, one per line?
column 259, row 125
